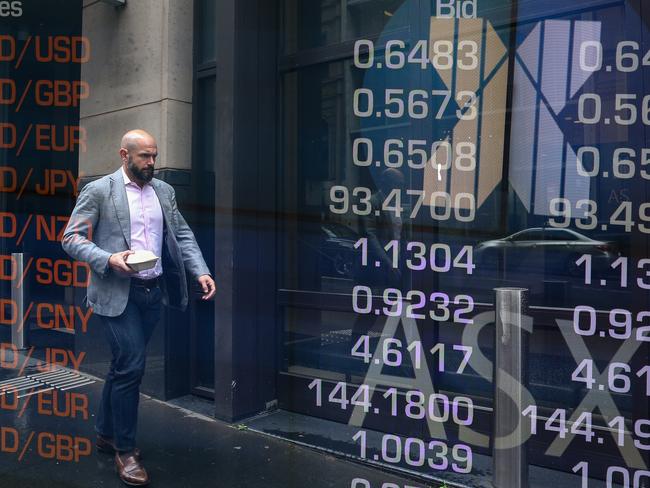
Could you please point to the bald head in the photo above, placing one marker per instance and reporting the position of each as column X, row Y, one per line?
column 138, row 152
column 136, row 137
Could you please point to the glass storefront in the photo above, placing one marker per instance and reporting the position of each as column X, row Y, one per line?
column 428, row 221
column 435, row 151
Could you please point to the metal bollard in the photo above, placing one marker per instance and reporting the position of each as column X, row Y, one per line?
column 19, row 329
column 511, row 354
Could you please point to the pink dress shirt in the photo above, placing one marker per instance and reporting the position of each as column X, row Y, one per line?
column 146, row 223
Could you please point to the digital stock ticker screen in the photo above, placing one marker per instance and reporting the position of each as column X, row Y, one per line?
column 486, row 217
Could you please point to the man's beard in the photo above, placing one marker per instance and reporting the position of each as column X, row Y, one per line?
column 145, row 174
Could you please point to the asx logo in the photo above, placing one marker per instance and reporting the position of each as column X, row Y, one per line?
column 11, row 9
column 545, row 83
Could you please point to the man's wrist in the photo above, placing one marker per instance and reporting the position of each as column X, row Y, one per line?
column 107, row 266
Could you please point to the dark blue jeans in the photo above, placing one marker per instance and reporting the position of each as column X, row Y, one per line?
column 127, row 335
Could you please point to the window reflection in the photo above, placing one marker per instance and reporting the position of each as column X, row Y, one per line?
column 312, row 24
column 519, row 176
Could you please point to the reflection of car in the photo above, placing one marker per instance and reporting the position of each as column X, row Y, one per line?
column 337, row 253
column 552, row 249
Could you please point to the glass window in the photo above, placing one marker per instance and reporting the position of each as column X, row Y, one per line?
column 310, row 24
column 562, row 235
column 529, row 235
column 207, row 116
column 464, row 153
column 207, row 36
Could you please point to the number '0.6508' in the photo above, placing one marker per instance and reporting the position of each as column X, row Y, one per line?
column 416, row 154
column 626, row 163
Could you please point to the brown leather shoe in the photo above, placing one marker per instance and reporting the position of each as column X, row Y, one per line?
column 130, row 470
column 106, row 445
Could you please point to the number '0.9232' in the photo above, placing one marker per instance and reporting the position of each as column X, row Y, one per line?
column 412, row 302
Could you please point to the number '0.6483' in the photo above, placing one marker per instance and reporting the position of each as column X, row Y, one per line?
column 397, row 54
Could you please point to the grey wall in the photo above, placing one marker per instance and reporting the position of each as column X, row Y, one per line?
column 140, row 76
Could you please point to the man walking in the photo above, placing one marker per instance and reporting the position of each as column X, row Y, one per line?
column 115, row 216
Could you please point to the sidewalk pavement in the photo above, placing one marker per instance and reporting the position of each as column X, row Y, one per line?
column 45, row 443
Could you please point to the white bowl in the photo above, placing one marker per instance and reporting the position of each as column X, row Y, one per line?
column 141, row 260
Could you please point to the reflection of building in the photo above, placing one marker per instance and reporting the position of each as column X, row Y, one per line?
column 546, row 83
column 251, row 102
column 490, row 83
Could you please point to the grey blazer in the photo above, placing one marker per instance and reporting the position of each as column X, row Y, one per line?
column 100, row 225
